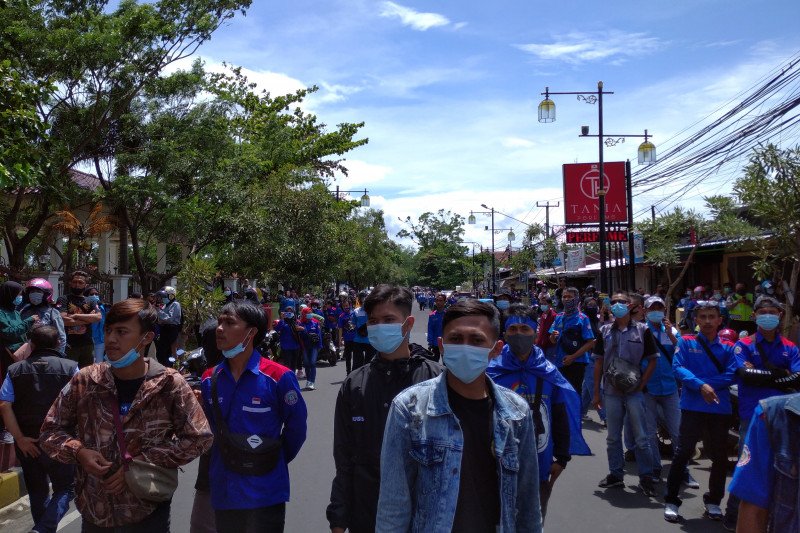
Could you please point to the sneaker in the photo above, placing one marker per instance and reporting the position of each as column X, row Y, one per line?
column 301, row 374
column 310, row 385
column 630, row 456
column 713, row 512
column 729, row 522
column 671, row 513
column 611, row 481
column 646, row 484
column 690, row 482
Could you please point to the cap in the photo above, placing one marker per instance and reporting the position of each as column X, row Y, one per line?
column 699, row 288
column 650, row 302
column 767, row 301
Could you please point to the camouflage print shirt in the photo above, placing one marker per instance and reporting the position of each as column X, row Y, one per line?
column 165, row 425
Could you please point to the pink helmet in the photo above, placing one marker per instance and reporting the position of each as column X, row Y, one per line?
column 43, row 285
column 729, row 335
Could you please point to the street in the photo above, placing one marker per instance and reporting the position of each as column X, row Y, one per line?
column 577, row 504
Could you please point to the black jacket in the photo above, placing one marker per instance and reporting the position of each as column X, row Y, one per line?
column 37, row 381
column 361, row 411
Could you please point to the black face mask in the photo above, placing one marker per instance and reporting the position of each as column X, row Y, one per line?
column 741, row 292
column 76, row 291
column 520, row 345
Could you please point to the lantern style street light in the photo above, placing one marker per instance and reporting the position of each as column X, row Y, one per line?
column 364, row 197
column 646, row 154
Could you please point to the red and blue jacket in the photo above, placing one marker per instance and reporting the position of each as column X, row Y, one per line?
column 266, row 401
column 781, row 353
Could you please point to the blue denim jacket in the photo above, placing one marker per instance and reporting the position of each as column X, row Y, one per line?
column 783, row 423
column 421, row 462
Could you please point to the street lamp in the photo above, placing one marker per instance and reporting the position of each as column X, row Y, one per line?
column 471, row 220
column 474, row 280
column 647, row 154
column 364, row 197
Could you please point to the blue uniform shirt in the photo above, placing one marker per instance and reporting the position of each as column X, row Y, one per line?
column 662, row 382
column 753, row 478
column 266, row 400
column 573, row 320
column 694, row 369
column 435, row 321
column 288, row 337
column 360, row 319
column 780, row 353
column 347, row 324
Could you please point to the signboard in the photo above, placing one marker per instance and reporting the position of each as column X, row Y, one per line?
column 581, row 183
column 583, row 236
column 638, row 249
column 576, row 258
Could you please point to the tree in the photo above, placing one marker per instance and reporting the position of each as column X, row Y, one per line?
column 198, row 303
column 92, row 61
column 664, row 235
column 538, row 249
column 770, row 188
column 441, row 260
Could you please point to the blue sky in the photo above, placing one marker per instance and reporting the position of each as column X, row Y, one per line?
column 449, row 88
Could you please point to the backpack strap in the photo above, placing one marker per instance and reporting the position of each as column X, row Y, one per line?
column 710, row 355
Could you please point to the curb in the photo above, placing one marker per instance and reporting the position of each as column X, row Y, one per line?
column 12, row 486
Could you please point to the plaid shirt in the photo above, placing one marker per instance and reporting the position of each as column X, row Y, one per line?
column 165, row 425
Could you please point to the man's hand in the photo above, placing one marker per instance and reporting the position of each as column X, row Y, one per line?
column 28, row 447
column 709, row 395
column 115, row 483
column 597, row 402
column 93, row 462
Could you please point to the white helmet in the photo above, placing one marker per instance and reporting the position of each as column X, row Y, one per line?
column 169, row 290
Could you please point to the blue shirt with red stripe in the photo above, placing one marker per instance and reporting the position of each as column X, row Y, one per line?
column 265, row 401
column 694, row 368
column 780, row 353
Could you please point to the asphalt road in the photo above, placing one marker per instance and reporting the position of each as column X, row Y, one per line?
column 577, row 504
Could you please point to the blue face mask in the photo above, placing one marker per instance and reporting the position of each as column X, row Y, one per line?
column 165, row 300
column 36, row 298
column 126, row 360
column 236, row 350
column 768, row 322
column 619, row 310
column 466, row 362
column 655, row 316
column 93, row 298
column 503, row 304
column 544, row 307
column 386, row 338
column 289, row 316
column 18, row 300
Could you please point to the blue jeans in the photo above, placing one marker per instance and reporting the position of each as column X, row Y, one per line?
column 617, row 406
column 47, row 510
column 310, row 362
column 666, row 409
column 587, row 391
column 732, row 508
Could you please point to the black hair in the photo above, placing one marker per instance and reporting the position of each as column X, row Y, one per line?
column 253, row 315
column 393, row 294
column 574, row 291
column 473, row 308
column 44, row 338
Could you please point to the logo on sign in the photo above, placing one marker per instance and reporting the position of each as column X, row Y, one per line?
column 590, row 183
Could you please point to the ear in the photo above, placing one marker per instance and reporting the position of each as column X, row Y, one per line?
column 149, row 337
column 409, row 323
column 498, row 347
column 441, row 345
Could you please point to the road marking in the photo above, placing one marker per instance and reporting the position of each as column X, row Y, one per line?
column 68, row 519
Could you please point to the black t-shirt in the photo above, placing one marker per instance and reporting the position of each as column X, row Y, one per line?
column 77, row 305
column 478, row 506
column 126, row 392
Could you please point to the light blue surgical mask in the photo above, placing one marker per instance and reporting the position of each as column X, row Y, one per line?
column 236, row 350
column 36, row 298
column 93, row 298
column 768, row 322
column 126, row 360
column 289, row 315
column 466, row 362
column 655, row 316
column 386, row 338
column 18, row 300
column 165, row 301
column 619, row 310
column 544, row 307
column 503, row 304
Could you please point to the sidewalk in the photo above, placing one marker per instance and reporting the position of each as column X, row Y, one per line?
column 12, row 486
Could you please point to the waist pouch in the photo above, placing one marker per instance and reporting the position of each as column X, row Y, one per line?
column 249, row 455
column 623, row 375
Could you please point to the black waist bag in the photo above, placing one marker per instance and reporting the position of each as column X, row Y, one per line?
column 249, row 455
column 571, row 339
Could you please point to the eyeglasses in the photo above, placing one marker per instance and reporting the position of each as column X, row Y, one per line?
column 625, row 302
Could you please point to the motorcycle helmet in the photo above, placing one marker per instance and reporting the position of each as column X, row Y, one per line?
column 729, row 335
column 43, row 285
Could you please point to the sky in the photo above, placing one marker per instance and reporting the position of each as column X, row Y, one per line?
column 448, row 89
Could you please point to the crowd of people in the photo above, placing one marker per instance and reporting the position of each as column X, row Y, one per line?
column 426, row 438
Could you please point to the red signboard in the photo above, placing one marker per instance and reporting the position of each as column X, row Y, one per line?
column 581, row 183
column 578, row 237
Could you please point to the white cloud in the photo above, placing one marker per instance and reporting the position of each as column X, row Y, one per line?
column 578, row 47
column 517, row 142
column 414, row 19
column 361, row 173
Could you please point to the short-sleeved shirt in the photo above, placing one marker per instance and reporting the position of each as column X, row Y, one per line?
column 80, row 335
column 347, row 324
column 574, row 321
column 633, row 344
column 753, row 478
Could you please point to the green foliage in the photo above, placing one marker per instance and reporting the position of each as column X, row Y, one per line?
column 197, row 302
column 538, row 250
column 441, row 260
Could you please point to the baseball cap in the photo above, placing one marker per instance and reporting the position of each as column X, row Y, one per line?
column 652, row 301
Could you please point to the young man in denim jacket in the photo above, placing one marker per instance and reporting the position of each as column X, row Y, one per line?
column 459, row 452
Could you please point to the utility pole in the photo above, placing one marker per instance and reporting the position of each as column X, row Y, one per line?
column 547, row 207
column 653, row 213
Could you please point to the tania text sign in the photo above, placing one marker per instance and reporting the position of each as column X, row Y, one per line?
column 581, row 183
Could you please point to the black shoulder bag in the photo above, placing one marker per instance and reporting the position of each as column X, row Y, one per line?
column 710, row 355
column 250, row 455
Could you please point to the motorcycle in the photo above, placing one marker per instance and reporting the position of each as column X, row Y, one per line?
column 329, row 353
column 191, row 365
